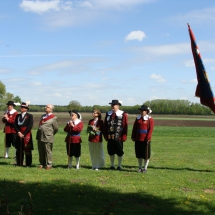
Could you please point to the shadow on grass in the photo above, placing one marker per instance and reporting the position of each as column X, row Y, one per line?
column 185, row 168
column 76, row 197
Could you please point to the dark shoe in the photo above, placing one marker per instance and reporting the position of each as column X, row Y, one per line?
column 48, row 167
column 139, row 170
column 112, row 167
column 119, row 168
column 144, row 171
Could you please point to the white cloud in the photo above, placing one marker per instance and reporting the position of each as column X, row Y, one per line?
column 117, row 4
column 36, row 83
column 158, row 78
column 193, row 80
column 205, row 16
column 2, row 70
column 190, row 81
column 60, row 13
column 135, row 35
column 189, row 63
column 40, row 6
column 172, row 49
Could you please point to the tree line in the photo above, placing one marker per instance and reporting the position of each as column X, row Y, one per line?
column 158, row 106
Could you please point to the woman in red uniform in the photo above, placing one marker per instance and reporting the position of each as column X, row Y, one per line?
column 73, row 138
column 141, row 134
column 94, row 130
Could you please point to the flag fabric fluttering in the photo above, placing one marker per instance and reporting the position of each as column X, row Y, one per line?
column 203, row 89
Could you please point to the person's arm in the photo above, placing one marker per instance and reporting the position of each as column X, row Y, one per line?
column 125, row 127
column 150, row 129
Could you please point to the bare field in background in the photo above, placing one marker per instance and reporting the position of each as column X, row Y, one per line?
column 160, row 120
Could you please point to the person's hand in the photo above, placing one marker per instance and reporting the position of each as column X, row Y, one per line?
column 71, row 123
column 6, row 117
column 20, row 135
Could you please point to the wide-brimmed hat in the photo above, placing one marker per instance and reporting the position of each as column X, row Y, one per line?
column 115, row 102
column 75, row 112
column 24, row 105
column 144, row 107
column 10, row 103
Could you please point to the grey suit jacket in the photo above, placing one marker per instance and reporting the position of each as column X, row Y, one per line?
column 47, row 130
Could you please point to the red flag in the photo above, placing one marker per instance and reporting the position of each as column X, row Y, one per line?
column 203, row 89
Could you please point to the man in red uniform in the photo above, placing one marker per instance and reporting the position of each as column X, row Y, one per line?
column 141, row 134
column 10, row 133
column 115, row 132
column 24, row 143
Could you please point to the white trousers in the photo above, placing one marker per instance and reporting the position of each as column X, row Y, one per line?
column 97, row 154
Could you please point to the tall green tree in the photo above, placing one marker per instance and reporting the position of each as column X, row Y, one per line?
column 74, row 105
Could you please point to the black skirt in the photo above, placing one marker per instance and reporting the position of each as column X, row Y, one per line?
column 142, row 150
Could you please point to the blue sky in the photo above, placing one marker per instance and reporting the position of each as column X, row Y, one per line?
column 94, row 51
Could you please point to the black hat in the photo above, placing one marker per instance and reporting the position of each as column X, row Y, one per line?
column 115, row 102
column 144, row 107
column 24, row 105
column 75, row 112
column 10, row 103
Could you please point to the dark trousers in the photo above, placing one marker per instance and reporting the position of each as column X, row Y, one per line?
column 20, row 157
column 73, row 149
column 22, row 150
column 142, row 150
column 115, row 147
column 10, row 139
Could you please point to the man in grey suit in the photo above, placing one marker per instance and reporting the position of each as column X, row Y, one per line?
column 48, row 127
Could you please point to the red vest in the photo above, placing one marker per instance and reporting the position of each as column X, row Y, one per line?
column 9, row 125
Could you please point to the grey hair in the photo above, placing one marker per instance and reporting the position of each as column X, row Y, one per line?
column 51, row 106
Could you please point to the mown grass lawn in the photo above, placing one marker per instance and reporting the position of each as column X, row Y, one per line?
column 180, row 178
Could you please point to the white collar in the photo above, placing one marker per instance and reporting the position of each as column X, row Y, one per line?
column 118, row 113
column 146, row 117
column 11, row 111
column 75, row 122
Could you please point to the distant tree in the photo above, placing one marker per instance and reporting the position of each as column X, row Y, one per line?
column 74, row 105
column 2, row 90
column 17, row 99
column 8, row 97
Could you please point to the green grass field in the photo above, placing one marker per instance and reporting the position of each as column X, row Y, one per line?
column 180, row 178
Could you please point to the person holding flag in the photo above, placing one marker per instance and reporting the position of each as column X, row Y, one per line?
column 10, row 134
column 73, row 139
column 203, row 89
column 141, row 135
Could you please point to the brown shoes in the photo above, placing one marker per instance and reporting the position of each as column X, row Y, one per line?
column 48, row 167
column 40, row 167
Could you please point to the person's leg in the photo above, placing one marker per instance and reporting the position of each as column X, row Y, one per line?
column 48, row 153
column 110, row 149
column 28, row 157
column 92, row 154
column 8, row 140
column 77, row 154
column 41, row 151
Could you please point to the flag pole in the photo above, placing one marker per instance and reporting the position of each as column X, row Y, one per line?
column 69, row 146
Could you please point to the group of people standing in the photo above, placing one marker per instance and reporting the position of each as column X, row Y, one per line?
column 114, row 129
